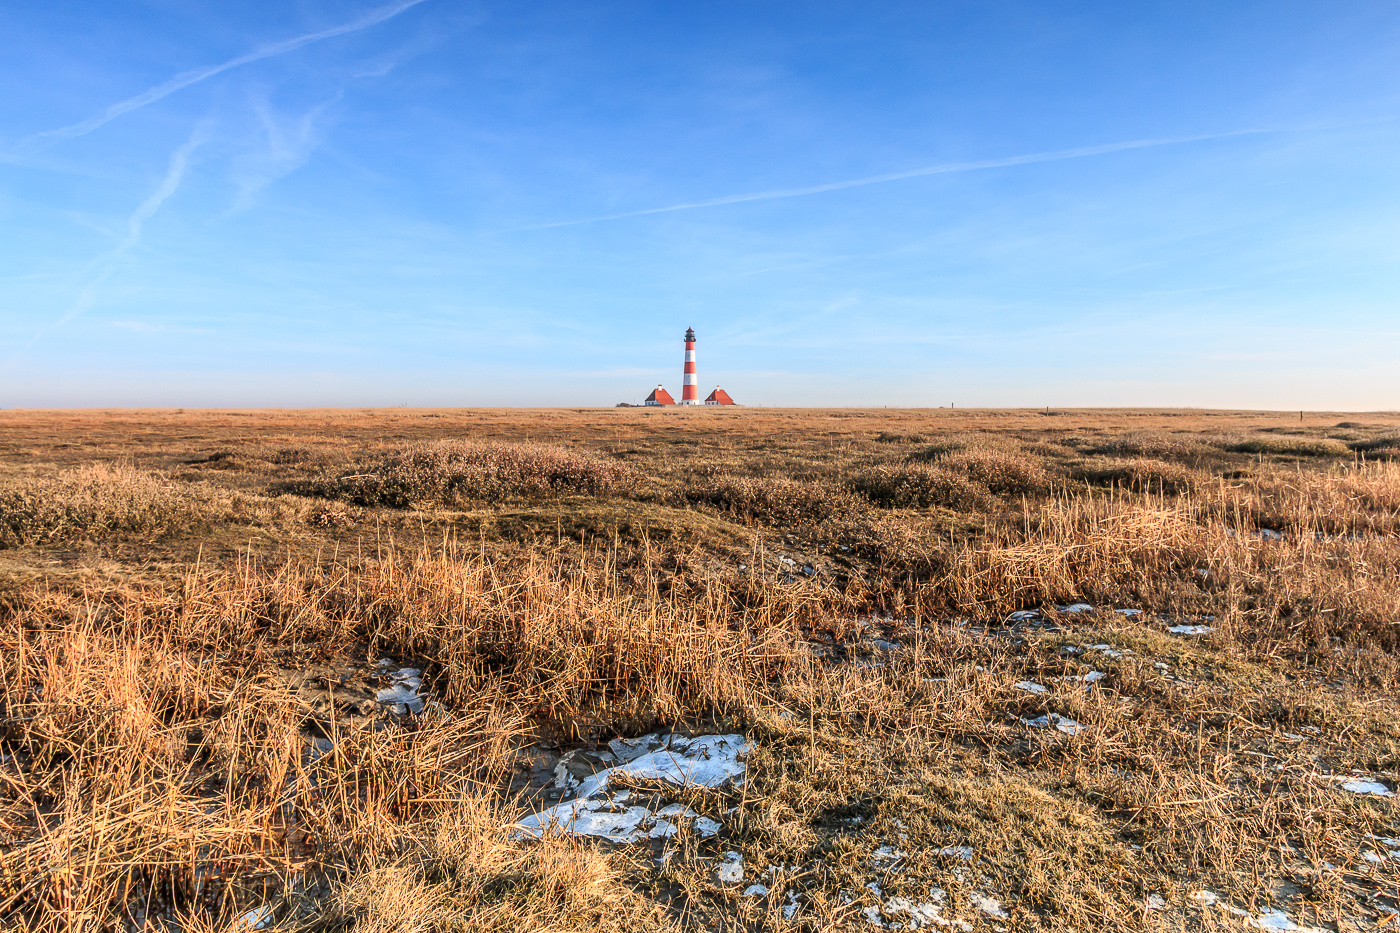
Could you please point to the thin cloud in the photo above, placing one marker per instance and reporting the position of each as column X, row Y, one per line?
column 194, row 76
column 947, row 168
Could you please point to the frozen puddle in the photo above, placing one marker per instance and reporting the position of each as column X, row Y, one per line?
column 402, row 693
column 602, row 812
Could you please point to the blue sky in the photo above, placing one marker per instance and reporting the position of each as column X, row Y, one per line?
column 456, row 203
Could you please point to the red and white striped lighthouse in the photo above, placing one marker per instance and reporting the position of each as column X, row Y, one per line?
column 690, row 389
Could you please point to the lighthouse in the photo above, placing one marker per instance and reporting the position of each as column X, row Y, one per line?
column 690, row 388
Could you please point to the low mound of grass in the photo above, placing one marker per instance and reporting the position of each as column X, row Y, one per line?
column 456, row 473
column 1004, row 473
column 1290, row 447
column 921, row 486
column 1387, row 448
column 104, row 500
column 781, row 503
column 1139, row 475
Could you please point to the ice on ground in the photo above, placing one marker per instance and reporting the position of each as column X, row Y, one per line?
column 1268, row 534
column 1190, row 629
column 402, row 693
column 1024, row 615
column 731, row 868
column 1032, row 687
column 1062, row 723
column 255, row 919
column 885, row 645
column 1076, row 608
column 1130, row 613
column 1368, row 787
column 962, row 853
column 706, row 827
column 755, row 890
column 705, row 761
column 790, row 908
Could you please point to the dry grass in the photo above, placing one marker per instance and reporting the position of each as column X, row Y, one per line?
column 837, row 588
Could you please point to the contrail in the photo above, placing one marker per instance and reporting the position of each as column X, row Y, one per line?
column 174, row 174
column 186, row 78
column 1057, row 155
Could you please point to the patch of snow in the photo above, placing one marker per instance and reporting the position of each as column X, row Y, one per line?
column 1208, row 898
column 962, row 853
column 1368, row 787
column 920, row 913
column 1032, row 687
column 790, row 908
column 1062, row 723
column 1075, row 608
column 1190, row 629
column 755, row 890
column 731, row 869
column 705, row 761
column 988, row 905
column 1130, row 613
column 1268, row 534
column 1024, row 615
column 1156, row 902
column 1294, row 737
column 789, row 561
column 872, row 915
column 1271, row 919
column 887, row 857
column 1094, row 677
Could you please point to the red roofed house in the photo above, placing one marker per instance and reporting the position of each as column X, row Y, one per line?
column 659, row 396
column 719, row 397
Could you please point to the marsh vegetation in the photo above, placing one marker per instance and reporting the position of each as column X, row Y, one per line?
column 998, row 670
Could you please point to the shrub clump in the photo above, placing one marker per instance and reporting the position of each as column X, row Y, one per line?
column 458, row 472
column 783, row 503
column 921, row 486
